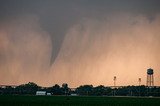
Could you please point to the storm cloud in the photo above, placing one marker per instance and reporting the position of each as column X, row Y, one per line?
column 78, row 42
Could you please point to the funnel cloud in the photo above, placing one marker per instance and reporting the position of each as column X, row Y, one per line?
column 79, row 42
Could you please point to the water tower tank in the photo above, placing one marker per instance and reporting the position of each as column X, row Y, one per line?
column 150, row 71
column 150, row 78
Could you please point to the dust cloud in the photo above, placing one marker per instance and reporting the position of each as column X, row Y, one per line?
column 121, row 45
column 25, row 51
column 93, row 51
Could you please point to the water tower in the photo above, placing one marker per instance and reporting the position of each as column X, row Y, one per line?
column 150, row 78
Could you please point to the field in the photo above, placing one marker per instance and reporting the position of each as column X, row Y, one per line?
column 76, row 101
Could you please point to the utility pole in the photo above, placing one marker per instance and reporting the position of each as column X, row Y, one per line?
column 114, row 79
column 139, row 80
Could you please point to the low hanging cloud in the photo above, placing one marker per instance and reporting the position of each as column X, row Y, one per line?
column 121, row 45
column 92, row 52
column 25, row 51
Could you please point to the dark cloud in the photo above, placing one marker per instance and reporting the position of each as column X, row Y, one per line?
column 58, row 17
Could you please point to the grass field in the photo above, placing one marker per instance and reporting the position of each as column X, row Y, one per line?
column 76, row 101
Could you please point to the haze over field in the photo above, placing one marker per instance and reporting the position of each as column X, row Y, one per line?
column 79, row 42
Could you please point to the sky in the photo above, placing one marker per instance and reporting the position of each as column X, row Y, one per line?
column 79, row 41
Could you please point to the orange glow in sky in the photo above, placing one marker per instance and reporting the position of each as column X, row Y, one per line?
column 90, row 50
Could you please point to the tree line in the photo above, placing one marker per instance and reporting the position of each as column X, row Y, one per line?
column 83, row 90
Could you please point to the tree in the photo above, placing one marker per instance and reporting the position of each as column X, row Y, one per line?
column 8, row 90
column 65, row 89
column 29, row 88
column 55, row 90
column 101, row 90
column 84, row 90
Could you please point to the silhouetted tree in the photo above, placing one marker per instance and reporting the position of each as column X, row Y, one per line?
column 65, row 89
column 84, row 90
column 98, row 91
column 29, row 88
column 55, row 90
column 8, row 90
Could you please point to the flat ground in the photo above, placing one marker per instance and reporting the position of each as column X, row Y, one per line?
column 76, row 101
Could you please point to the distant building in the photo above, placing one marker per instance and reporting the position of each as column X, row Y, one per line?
column 49, row 94
column 74, row 94
column 41, row 93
